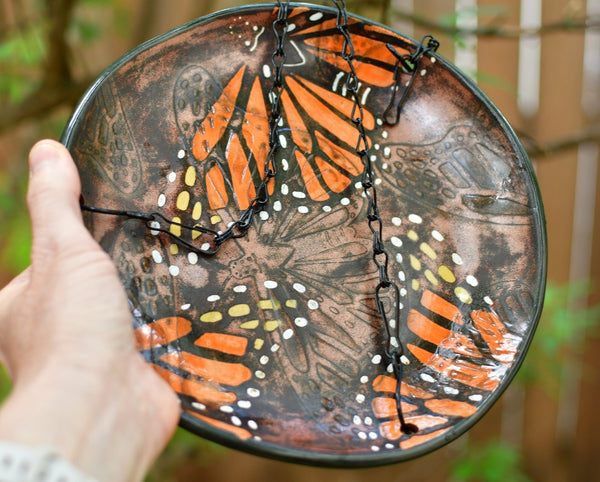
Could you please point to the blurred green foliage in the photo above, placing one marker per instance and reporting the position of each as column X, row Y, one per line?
column 566, row 321
column 495, row 461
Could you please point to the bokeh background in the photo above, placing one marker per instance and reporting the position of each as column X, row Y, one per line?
column 538, row 61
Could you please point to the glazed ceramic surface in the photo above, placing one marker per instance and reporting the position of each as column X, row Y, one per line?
column 274, row 344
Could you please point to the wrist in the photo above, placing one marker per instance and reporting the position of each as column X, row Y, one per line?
column 93, row 421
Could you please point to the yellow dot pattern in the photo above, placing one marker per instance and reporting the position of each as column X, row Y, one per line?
column 183, row 200
column 446, row 274
column 239, row 310
column 197, row 211
column 190, row 176
column 175, row 228
column 211, row 317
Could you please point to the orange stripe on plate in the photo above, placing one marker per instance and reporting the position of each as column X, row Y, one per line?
column 205, row 392
column 241, row 176
column 391, row 430
column 344, row 105
column 215, row 188
column 482, row 377
column 425, row 328
column 213, row 126
column 300, row 134
column 322, row 114
column 419, row 439
column 313, row 186
column 211, row 370
column 386, row 407
column 237, row 431
column 161, row 332
column 230, row 344
column 255, row 129
column 345, row 159
column 440, row 306
column 453, row 408
column 334, row 179
column 502, row 344
column 383, row 383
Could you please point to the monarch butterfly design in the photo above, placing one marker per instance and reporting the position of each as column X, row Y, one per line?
column 274, row 344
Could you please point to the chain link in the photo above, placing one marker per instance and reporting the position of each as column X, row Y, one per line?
column 394, row 349
column 407, row 63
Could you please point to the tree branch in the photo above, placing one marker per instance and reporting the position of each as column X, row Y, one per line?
column 570, row 141
column 58, row 69
column 41, row 103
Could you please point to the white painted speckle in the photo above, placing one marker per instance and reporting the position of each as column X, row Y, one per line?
column 299, row 194
column 287, row 334
column 181, row 154
column 263, row 215
column 171, row 176
column 396, row 221
column 457, row 259
column 213, row 298
column 252, row 425
column 192, row 257
column 488, row 300
column 162, row 200
column 185, row 307
column 157, row 257
column 274, row 347
column 300, row 288
column 174, row 270
column 313, row 305
column 253, row 392
column 451, row 391
column 362, row 435
column 259, row 374
column 437, row 235
column 285, row 189
column 396, row 241
column 472, row 280
column 344, row 201
column 415, row 218
column 244, row 404
column 266, row 71
column 364, row 379
column 302, row 209
column 277, row 206
column 360, row 398
column 376, row 360
column 327, row 209
column 301, row 322
column 226, row 409
column 427, row 378
column 270, row 285
column 240, row 288
column 236, row 421
column 356, row 420
column 198, row 406
column 476, row 398
column 264, row 360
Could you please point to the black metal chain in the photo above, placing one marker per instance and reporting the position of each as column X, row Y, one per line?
column 394, row 349
column 239, row 228
column 407, row 63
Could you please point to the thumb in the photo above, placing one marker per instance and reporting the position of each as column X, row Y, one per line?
column 53, row 197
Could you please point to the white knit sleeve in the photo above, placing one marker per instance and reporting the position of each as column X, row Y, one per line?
column 20, row 463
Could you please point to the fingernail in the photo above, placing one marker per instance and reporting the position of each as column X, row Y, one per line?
column 43, row 154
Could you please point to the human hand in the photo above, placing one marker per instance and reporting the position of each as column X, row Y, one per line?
column 80, row 388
